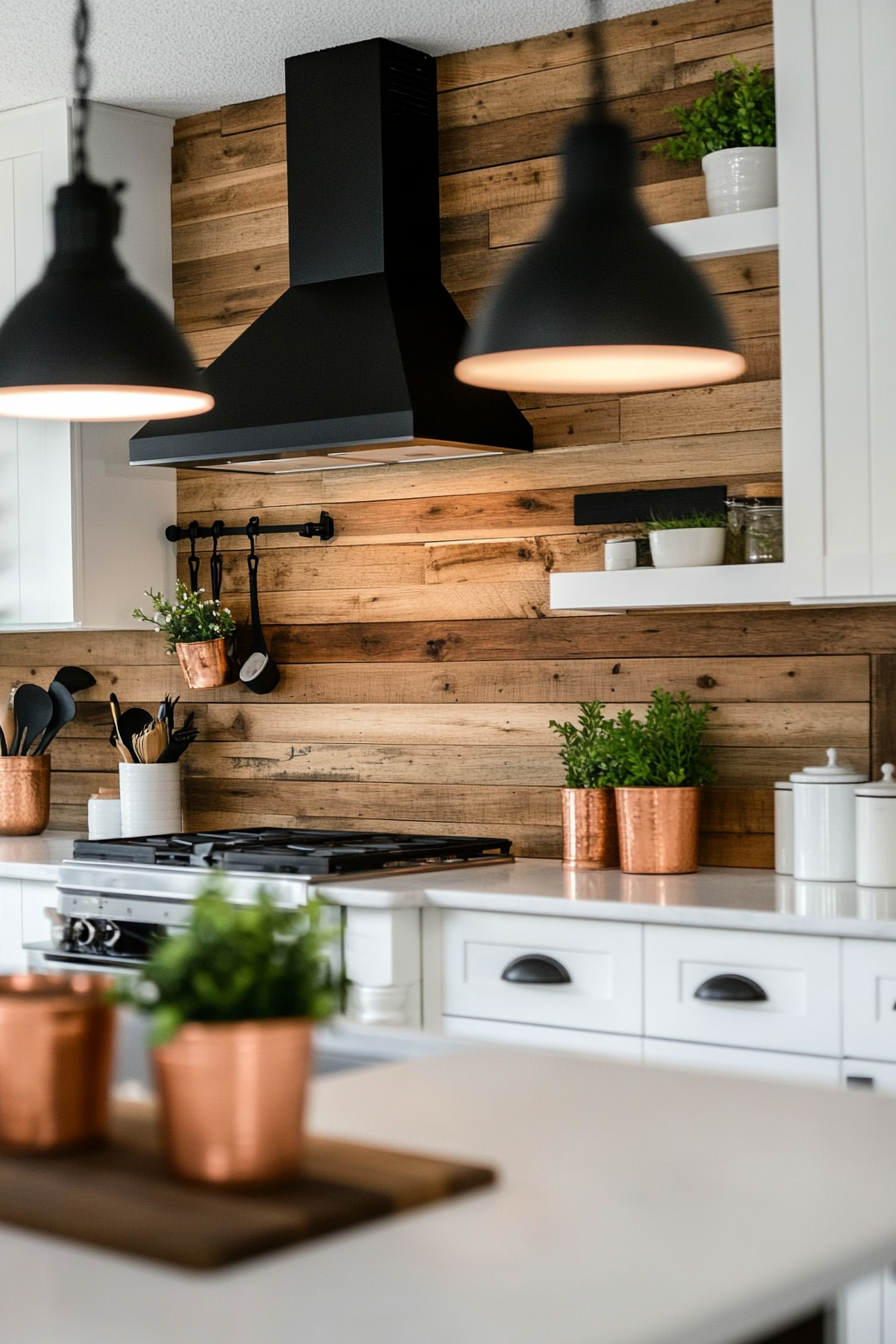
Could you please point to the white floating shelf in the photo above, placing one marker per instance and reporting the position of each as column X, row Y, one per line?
column 722, row 235
column 704, row 586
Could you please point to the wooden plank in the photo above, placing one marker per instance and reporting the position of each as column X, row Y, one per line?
column 693, row 71
column 219, row 197
column 464, row 233
column 462, row 601
column 208, row 345
column 508, row 561
column 531, row 182
column 253, row 116
column 883, row 711
column 763, row 356
column 523, row 220
column 737, row 851
column 235, row 270
column 208, row 155
column 202, row 123
column 689, row 51
column 718, row 633
column 757, row 313
column 567, row 426
column 315, row 569
column 238, row 233
column 627, row 75
column 631, row 32
column 227, row 307
column 717, row 410
column 738, row 811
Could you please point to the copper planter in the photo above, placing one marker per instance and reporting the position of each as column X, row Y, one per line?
column 233, row 1099
column 590, row 838
column 206, row 664
column 24, row 794
column 658, row 829
column 55, row 1059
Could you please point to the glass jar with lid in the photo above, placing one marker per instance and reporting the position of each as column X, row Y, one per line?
column 763, row 531
column 736, row 511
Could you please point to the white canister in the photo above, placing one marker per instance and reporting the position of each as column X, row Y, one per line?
column 620, row 553
column 824, row 821
column 876, row 831
column 744, row 178
column 150, row 799
column 103, row 818
column 783, row 826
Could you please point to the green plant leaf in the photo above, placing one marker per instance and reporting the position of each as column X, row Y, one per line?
column 190, row 619
column 739, row 112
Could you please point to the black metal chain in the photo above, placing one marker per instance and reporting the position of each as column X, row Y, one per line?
column 83, row 80
column 193, row 559
column 599, row 91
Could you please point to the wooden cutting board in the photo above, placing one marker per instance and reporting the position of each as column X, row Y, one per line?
column 121, row 1196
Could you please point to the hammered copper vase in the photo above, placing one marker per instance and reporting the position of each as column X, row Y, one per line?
column 55, row 1059
column 658, row 829
column 206, row 664
column 233, row 1098
column 590, row 836
column 24, row 794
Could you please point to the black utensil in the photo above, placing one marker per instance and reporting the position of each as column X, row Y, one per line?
column 4, row 749
column 64, row 710
column 74, row 679
column 129, row 724
column 32, row 710
column 259, row 673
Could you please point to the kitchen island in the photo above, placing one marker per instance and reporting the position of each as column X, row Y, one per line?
column 633, row 1207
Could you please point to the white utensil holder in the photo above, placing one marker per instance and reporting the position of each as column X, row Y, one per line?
column 150, row 799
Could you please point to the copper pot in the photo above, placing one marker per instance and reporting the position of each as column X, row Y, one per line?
column 590, row 838
column 658, row 829
column 233, row 1099
column 55, row 1058
column 206, row 664
column 24, row 794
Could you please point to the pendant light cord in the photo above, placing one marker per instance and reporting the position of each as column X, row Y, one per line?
column 83, row 79
column 599, row 91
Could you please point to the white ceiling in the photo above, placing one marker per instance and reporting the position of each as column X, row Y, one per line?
column 183, row 56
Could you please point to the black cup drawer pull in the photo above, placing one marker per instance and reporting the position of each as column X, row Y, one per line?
column 536, row 969
column 731, row 989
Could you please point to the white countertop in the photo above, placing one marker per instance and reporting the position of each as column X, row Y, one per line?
column 725, row 898
column 36, row 857
column 635, row 1206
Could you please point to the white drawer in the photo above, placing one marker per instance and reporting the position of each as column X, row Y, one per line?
column 869, row 1075
column 869, row 999
column 748, row 1063
column 602, row 960
column 799, row 979
column 605, row 1044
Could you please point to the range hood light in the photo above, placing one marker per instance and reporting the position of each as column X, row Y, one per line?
column 84, row 343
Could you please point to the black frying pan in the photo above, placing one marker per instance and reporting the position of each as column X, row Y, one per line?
column 259, row 673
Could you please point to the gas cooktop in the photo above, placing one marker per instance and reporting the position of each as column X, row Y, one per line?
column 281, row 850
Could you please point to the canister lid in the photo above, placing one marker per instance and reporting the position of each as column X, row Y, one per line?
column 784, row 784
column 618, row 541
column 832, row 773
column 880, row 788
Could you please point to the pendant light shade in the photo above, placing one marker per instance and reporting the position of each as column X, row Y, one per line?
column 600, row 303
column 85, row 343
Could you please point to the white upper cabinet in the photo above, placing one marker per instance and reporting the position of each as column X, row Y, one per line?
column 81, row 532
column 836, row 106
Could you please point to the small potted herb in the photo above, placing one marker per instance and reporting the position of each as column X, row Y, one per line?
column 732, row 131
column 684, row 542
column 659, row 765
column 588, row 804
column 233, row 1000
column 199, row 630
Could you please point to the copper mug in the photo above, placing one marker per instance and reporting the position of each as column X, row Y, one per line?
column 590, row 835
column 24, row 794
column 55, row 1059
column 232, row 1099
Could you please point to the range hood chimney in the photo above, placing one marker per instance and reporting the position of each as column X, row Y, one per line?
column 354, row 364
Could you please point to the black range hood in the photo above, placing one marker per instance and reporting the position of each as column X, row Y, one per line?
column 354, row 364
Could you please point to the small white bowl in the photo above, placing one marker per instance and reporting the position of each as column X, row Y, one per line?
column 687, row 547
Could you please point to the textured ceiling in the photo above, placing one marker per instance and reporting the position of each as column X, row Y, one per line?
column 183, row 56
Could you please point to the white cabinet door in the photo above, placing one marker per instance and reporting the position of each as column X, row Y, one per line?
column 747, row 1063
column 603, row 1044
column 12, row 958
column 869, row 998
column 37, row 899
column 796, row 981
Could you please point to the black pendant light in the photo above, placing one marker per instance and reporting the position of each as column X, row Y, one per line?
column 600, row 303
column 85, row 343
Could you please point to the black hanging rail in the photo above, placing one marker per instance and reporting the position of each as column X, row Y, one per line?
column 324, row 528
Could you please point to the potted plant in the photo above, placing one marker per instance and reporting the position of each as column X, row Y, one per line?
column 587, row 803
column 658, row 767
column 233, row 1000
column 732, row 131
column 685, row 542
column 199, row 630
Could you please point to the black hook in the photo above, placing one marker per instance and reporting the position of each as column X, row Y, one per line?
column 253, row 527
column 193, row 561
column 216, row 563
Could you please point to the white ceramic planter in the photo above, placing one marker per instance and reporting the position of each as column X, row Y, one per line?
column 741, row 179
column 687, row 547
column 150, row 799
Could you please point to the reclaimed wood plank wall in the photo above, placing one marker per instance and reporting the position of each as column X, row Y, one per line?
column 420, row 659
